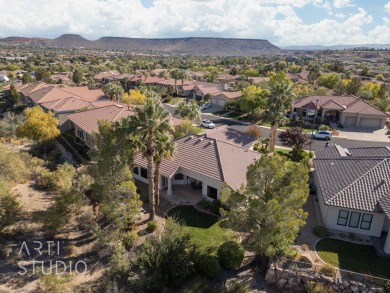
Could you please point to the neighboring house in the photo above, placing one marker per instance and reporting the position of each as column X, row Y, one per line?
column 4, row 78
column 202, row 161
column 350, row 111
column 353, row 189
column 106, row 76
column 87, row 122
column 220, row 99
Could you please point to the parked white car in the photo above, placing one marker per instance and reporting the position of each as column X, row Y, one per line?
column 207, row 124
column 205, row 106
column 322, row 134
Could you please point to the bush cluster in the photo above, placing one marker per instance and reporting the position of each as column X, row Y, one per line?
column 321, row 231
column 231, row 255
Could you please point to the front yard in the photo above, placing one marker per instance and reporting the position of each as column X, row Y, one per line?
column 204, row 228
column 353, row 257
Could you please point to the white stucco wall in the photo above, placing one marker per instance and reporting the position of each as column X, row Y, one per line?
column 206, row 181
column 330, row 216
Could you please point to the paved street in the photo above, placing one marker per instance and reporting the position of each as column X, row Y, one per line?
column 316, row 144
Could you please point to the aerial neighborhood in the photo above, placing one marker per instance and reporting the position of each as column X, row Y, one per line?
column 181, row 172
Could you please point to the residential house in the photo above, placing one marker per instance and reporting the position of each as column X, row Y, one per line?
column 349, row 110
column 353, row 190
column 86, row 123
column 201, row 161
column 220, row 99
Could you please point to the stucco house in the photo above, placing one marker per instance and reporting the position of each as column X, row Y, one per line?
column 220, row 99
column 353, row 189
column 202, row 161
column 349, row 110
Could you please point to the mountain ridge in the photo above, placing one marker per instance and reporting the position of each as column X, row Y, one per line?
column 188, row 45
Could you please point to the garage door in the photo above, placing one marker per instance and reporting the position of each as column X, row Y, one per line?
column 350, row 121
column 221, row 103
column 370, row 122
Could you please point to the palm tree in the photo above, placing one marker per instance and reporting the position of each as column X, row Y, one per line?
column 278, row 103
column 189, row 110
column 151, row 122
column 176, row 74
column 183, row 76
column 165, row 148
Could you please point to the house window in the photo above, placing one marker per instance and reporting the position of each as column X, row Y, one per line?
column 179, row 176
column 136, row 170
column 343, row 217
column 354, row 220
column 366, row 222
column 80, row 134
column 144, row 173
column 212, row 192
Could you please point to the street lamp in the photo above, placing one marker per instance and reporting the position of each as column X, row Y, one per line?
column 314, row 119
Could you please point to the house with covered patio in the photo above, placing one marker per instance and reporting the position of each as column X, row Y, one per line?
column 350, row 111
column 353, row 190
column 200, row 163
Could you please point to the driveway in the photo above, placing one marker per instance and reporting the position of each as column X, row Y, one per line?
column 364, row 134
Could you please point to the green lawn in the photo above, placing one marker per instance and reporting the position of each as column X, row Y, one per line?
column 175, row 101
column 204, row 228
column 353, row 257
column 236, row 115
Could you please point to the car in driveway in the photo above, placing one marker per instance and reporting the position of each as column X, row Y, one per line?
column 322, row 134
column 205, row 106
column 207, row 123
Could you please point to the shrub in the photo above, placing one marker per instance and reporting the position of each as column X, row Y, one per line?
column 9, row 206
column 238, row 288
column 293, row 254
column 321, row 231
column 305, row 247
column 298, row 155
column 311, row 155
column 325, row 127
column 386, row 286
column 230, row 255
column 313, row 287
column 55, row 283
column 43, row 178
column 152, row 226
column 207, row 265
column 329, row 270
column 129, row 238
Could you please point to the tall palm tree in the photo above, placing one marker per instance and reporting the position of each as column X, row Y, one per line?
column 151, row 121
column 278, row 103
column 183, row 76
column 165, row 148
column 176, row 74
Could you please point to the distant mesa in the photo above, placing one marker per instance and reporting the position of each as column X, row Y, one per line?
column 192, row 45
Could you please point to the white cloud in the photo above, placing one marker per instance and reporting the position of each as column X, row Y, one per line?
column 341, row 3
column 274, row 20
column 387, row 7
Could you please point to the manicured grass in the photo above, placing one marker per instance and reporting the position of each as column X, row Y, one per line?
column 282, row 151
column 204, row 228
column 353, row 257
column 175, row 101
column 236, row 115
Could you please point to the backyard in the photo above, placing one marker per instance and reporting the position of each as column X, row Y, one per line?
column 204, row 228
column 353, row 257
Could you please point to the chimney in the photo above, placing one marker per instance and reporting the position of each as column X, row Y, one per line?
column 225, row 86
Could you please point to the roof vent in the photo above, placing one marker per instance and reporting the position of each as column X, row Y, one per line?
column 200, row 139
column 383, row 181
column 191, row 136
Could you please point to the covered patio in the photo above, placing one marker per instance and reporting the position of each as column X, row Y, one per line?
column 183, row 195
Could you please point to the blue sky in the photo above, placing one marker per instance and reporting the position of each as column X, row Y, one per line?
column 282, row 22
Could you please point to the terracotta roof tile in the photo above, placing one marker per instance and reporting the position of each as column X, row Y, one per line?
column 232, row 136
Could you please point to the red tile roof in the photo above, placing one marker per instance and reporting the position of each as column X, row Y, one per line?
column 212, row 158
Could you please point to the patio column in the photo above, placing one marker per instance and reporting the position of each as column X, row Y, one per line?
column 169, row 191
column 386, row 248
column 323, row 115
